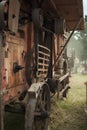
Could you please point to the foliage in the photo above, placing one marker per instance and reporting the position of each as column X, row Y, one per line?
column 82, row 38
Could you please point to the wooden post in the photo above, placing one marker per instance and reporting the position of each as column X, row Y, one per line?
column 1, row 100
column 58, row 90
column 14, row 8
column 86, row 98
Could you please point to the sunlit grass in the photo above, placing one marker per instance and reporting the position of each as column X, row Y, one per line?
column 69, row 114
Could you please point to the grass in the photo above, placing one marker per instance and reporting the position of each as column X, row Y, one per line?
column 69, row 114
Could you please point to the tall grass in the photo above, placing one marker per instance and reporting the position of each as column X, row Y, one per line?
column 69, row 114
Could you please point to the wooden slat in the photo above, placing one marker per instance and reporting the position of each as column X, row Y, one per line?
column 41, row 75
column 40, row 58
column 44, row 47
column 63, row 77
column 40, row 52
column 43, row 70
column 43, row 64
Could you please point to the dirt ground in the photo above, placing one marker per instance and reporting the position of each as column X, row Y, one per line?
column 65, row 114
column 69, row 114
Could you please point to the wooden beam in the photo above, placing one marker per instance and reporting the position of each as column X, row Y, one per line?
column 1, row 100
column 63, row 77
column 54, row 6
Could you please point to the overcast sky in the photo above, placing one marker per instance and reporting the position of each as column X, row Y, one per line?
column 85, row 6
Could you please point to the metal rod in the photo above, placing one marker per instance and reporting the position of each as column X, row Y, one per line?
column 76, row 26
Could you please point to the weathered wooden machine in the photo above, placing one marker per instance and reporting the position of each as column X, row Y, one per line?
column 33, row 55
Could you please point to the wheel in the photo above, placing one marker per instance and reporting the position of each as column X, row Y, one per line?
column 37, row 111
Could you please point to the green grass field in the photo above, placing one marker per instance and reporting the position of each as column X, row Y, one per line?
column 69, row 114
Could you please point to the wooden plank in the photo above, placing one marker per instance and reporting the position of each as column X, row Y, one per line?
column 63, row 77
column 41, row 75
column 15, row 82
column 14, row 39
column 43, row 64
column 1, row 103
column 42, row 70
column 14, row 8
column 40, row 58
column 40, row 52
column 44, row 47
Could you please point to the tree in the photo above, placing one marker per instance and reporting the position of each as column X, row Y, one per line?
column 82, row 38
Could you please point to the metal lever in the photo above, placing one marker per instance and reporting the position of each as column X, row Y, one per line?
column 17, row 68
